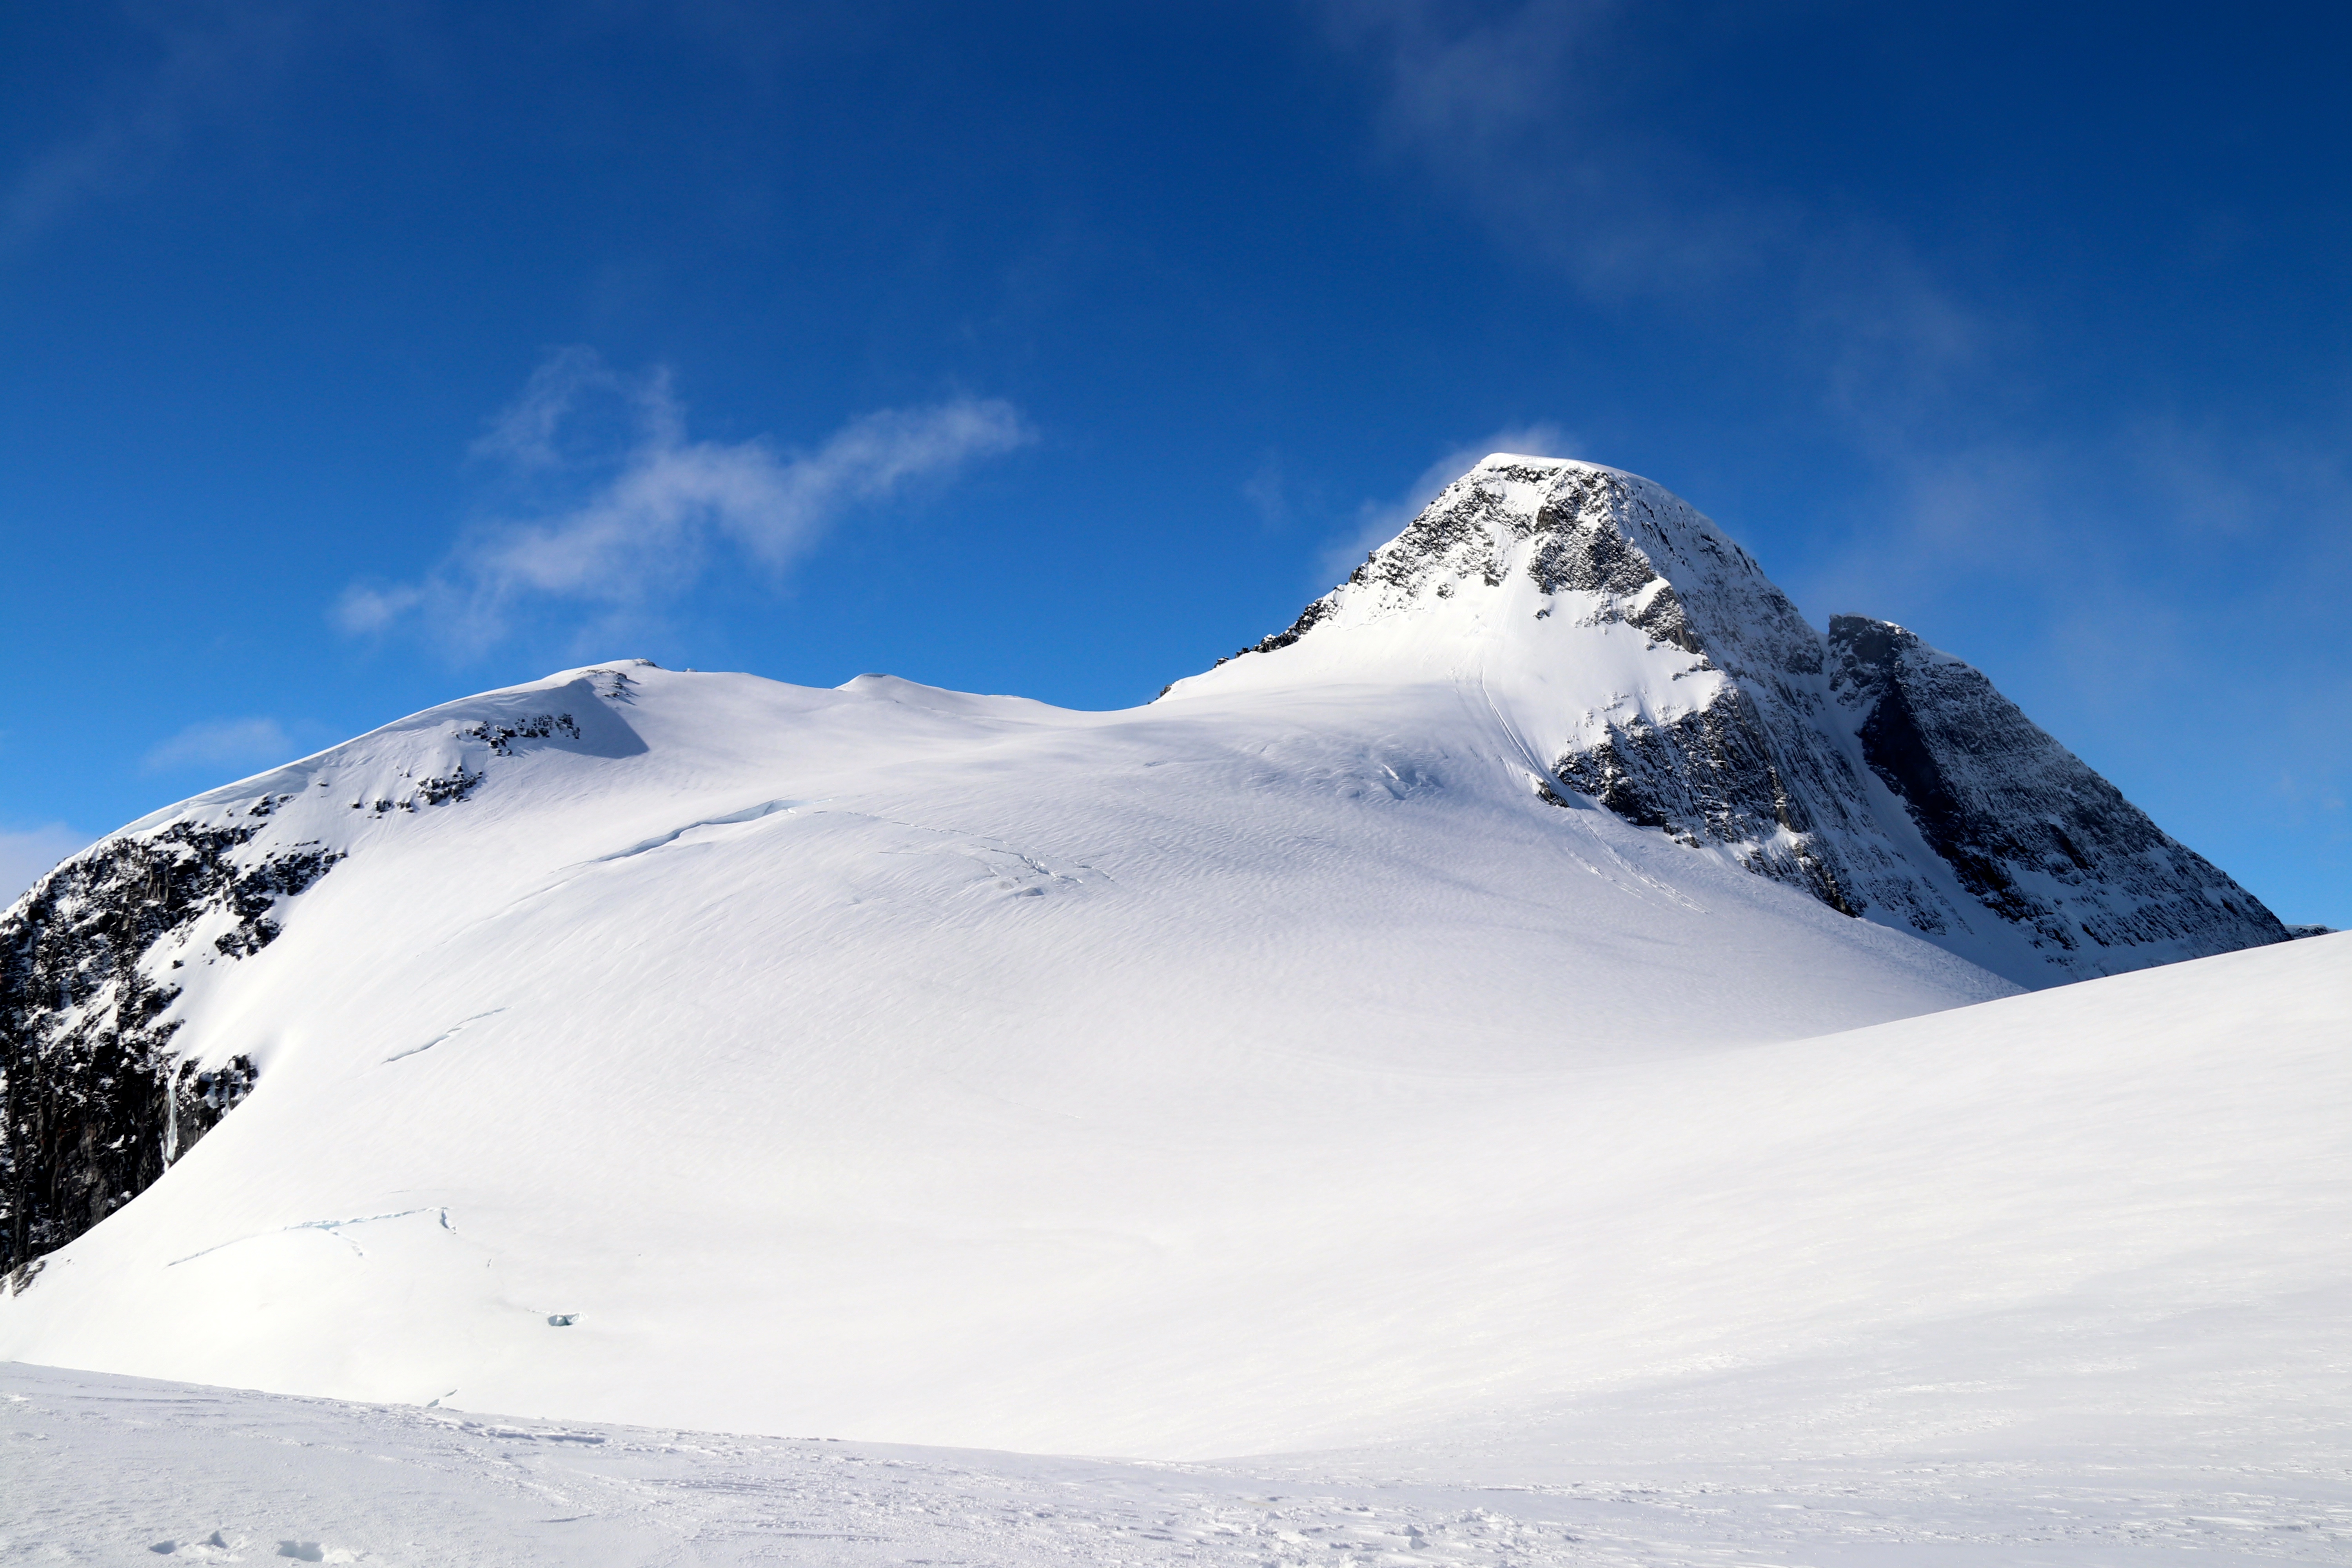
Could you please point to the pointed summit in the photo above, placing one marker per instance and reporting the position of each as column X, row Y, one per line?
column 1472, row 581
column 1637, row 657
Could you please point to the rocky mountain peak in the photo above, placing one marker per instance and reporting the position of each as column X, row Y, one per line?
column 1641, row 659
column 1520, row 538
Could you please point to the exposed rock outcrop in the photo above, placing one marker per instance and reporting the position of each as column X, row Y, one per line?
column 95, row 961
column 2027, row 829
column 96, row 1103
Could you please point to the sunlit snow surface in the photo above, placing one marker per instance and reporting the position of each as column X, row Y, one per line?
column 949, row 1068
column 1235, row 1077
column 118, row 1470
column 2056, row 1278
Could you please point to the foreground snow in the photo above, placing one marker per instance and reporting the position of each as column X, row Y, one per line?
column 2032, row 1234
column 117, row 1470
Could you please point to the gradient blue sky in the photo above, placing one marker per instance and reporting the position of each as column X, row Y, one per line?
column 360, row 357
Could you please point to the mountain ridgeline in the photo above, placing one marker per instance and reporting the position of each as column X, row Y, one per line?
column 1887, row 780
column 1549, row 650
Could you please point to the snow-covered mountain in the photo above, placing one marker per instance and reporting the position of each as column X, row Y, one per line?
column 662, row 1046
column 1640, row 657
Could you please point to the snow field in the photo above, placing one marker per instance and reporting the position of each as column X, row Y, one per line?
column 1065, row 1231
column 206, row 1474
column 889, row 1061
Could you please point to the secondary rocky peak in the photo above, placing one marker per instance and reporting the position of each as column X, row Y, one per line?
column 2027, row 827
column 105, row 961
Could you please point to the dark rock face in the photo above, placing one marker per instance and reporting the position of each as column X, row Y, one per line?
column 1738, row 771
column 500, row 738
column 1284, row 638
column 2024, row 829
column 2027, row 829
column 1709, row 776
column 96, row 1104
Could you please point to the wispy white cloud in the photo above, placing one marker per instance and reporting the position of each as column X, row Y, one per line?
column 525, row 432
column 221, row 743
column 1268, row 490
column 1531, row 113
column 26, row 855
column 642, row 504
column 1377, row 521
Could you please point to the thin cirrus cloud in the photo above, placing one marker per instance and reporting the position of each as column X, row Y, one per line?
column 621, row 509
column 1505, row 106
column 1541, row 117
column 222, row 742
column 207, row 59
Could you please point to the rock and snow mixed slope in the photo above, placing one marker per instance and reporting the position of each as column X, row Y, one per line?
column 1642, row 658
column 1379, row 1028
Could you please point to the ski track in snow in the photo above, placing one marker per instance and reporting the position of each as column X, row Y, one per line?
column 447, row 1034
column 215, row 1475
column 333, row 1227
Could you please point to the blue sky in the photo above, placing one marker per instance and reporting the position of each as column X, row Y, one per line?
column 362, row 357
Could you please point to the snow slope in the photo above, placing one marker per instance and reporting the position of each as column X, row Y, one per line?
column 927, row 1043
column 890, row 1063
column 2056, row 1278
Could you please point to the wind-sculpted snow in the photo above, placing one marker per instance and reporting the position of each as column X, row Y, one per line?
column 1735, row 727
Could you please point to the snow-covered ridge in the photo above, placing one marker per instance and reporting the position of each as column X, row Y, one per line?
column 96, row 957
column 153, row 981
column 1647, row 663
